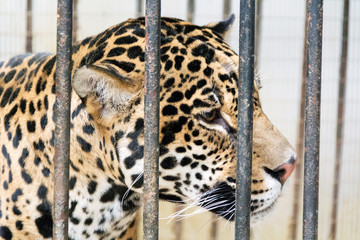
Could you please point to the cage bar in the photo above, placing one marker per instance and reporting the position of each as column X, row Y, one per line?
column 75, row 21
column 62, row 122
column 245, row 119
column 298, row 172
column 190, row 10
column 29, row 25
column 340, row 118
column 151, row 121
column 312, row 118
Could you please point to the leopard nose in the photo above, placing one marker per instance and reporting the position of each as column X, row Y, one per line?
column 282, row 172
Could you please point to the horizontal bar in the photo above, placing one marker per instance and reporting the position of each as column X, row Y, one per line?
column 312, row 119
column 245, row 119
column 62, row 122
column 151, row 121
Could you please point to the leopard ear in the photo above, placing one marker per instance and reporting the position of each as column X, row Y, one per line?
column 222, row 27
column 106, row 91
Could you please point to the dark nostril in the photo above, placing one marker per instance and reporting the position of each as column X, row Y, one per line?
column 277, row 174
column 282, row 172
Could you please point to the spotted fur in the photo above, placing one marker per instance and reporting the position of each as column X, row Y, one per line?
column 197, row 152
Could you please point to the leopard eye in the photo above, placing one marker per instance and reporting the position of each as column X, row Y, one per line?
column 210, row 115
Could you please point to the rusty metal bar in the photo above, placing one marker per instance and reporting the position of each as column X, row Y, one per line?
column 245, row 119
column 151, row 121
column 139, row 8
column 226, row 8
column 75, row 21
column 190, row 10
column 29, row 24
column 258, row 25
column 62, row 122
column 299, row 148
column 340, row 118
column 312, row 118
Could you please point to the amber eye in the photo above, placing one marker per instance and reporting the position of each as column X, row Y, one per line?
column 210, row 115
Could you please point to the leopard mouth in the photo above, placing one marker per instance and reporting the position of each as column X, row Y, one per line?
column 221, row 201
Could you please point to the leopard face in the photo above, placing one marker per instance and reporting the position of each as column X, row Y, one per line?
column 198, row 124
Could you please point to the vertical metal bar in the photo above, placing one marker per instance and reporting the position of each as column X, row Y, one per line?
column 340, row 118
column 151, row 148
column 259, row 7
column 62, row 122
column 226, row 8
column 29, row 36
column 139, row 8
column 245, row 119
column 312, row 119
column 299, row 147
column 190, row 10
column 75, row 21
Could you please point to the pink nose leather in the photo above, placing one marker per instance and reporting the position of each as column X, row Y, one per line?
column 284, row 171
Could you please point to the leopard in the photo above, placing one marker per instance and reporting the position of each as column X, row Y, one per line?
column 198, row 111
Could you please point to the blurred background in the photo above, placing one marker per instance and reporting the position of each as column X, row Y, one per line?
column 30, row 25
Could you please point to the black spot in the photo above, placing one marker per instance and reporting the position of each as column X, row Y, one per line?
column 180, row 150
column 185, row 108
column 169, row 197
column 176, row 97
column 49, row 65
column 178, row 62
column 116, row 52
column 16, row 210
column 199, row 157
column 42, row 192
column 31, row 108
column 77, row 111
column 19, row 225
column 6, row 155
column 99, row 163
column 39, row 145
column 168, row 65
column 171, row 178
column 126, row 66
column 46, row 172
column 92, row 187
column 72, row 183
column 125, row 40
column 208, row 71
column 5, row 233
column 27, row 178
column 18, row 192
column 190, row 92
column 137, row 181
column 168, row 163
column 85, row 146
column 169, row 83
column 6, row 97
column 200, row 103
column 23, row 105
column 169, row 110
column 198, row 176
column 45, row 222
column 88, row 221
column 43, row 121
column 185, row 161
column 201, row 83
column 18, row 136
column 88, row 129
column 9, row 116
column 14, row 95
column 9, row 76
column 194, row 66
column 135, row 52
